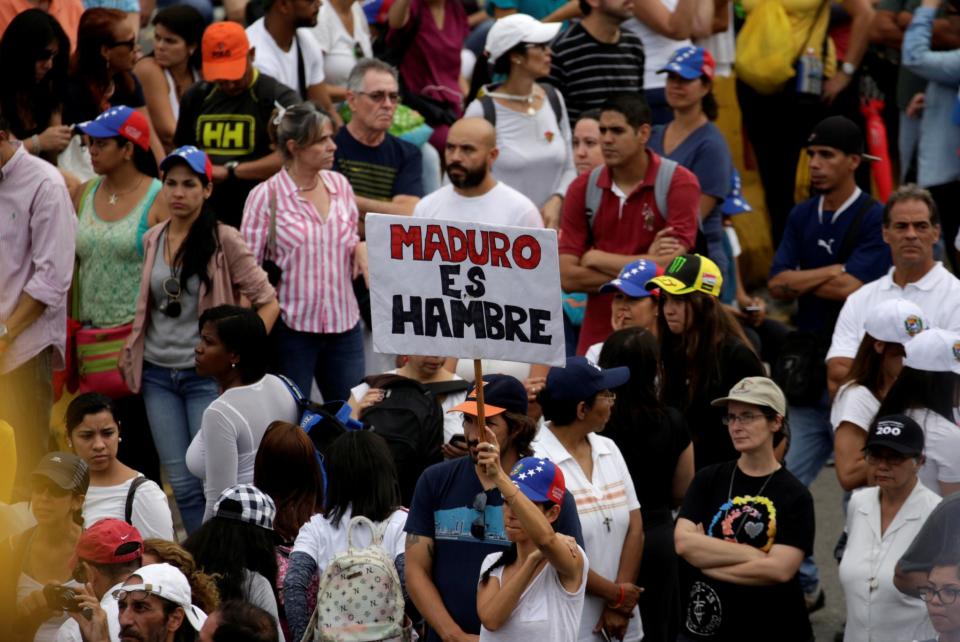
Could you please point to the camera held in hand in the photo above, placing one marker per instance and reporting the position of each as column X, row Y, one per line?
column 63, row 598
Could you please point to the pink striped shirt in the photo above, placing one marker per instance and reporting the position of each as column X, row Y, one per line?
column 316, row 290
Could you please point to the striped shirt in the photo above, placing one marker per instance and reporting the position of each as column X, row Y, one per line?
column 316, row 291
column 588, row 71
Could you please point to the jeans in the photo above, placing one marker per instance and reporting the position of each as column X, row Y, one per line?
column 811, row 444
column 26, row 396
column 334, row 359
column 175, row 400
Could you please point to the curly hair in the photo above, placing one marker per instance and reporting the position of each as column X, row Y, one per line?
column 203, row 587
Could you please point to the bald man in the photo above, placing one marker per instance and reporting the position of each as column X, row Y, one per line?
column 473, row 194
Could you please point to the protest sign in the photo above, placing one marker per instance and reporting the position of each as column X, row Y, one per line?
column 466, row 290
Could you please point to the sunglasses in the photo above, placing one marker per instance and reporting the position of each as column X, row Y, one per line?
column 130, row 44
column 380, row 96
column 479, row 526
column 171, row 307
column 49, row 488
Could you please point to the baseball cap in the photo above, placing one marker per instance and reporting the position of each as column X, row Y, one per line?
column 840, row 133
column 896, row 432
column 509, row 31
column 758, row 391
column 246, row 503
column 109, row 541
column 166, row 581
column 632, row 279
column 195, row 159
column 225, row 48
column 735, row 202
column 935, row 350
column 895, row 321
column 580, row 379
column 689, row 273
column 119, row 121
column 539, row 479
column 501, row 393
column 691, row 63
column 66, row 470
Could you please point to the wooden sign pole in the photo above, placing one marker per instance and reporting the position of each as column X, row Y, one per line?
column 478, row 383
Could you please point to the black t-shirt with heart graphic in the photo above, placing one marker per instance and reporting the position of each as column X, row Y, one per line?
column 781, row 514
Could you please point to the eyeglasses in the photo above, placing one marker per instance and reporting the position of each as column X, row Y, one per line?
column 892, row 458
column 607, row 395
column 745, row 418
column 947, row 594
column 540, row 46
column 46, row 54
column 130, row 44
column 171, row 307
column 380, row 96
column 479, row 526
column 121, row 595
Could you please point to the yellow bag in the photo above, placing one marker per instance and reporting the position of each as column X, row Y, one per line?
column 766, row 49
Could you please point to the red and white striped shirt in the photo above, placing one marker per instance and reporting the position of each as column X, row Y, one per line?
column 316, row 291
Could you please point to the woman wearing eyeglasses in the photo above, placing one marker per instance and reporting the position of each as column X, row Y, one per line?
column 943, row 608
column 577, row 402
column 191, row 263
column 882, row 522
column 744, row 527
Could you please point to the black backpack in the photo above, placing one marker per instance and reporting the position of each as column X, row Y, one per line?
column 410, row 419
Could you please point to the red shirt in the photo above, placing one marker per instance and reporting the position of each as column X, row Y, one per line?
column 629, row 231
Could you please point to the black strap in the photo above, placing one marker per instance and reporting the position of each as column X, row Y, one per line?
column 489, row 109
column 850, row 238
column 553, row 96
column 128, row 509
column 301, row 72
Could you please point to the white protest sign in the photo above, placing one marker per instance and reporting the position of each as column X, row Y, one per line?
column 467, row 290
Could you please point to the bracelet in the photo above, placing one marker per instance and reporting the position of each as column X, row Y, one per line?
column 36, row 144
column 620, row 601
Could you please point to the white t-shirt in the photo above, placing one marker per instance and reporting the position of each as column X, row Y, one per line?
column 323, row 541
column 545, row 610
column 339, row 47
column 151, row 510
column 536, row 153
column 882, row 614
column 452, row 421
column 941, row 447
column 937, row 294
column 657, row 49
column 502, row 205
column 70, row 630
column 854, row 404
column 604, row 504
column 270, row 59
column 223, row 452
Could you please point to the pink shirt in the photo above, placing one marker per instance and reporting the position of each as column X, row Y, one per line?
column 37, row 241
column 316, row 290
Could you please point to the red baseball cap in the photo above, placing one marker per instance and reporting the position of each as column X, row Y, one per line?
column 109, row 541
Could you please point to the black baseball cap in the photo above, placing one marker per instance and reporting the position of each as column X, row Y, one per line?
column 501, row 393
column 66, row 470
column 580, row 379
column 898, row 433
column 840, row 133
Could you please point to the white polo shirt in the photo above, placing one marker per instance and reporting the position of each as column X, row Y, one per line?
column 270, row 59
column 937, row 294
column 603, row 504
column 876, row 610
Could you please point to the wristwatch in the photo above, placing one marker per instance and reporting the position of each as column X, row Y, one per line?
column 231, row 168
column 848, row 68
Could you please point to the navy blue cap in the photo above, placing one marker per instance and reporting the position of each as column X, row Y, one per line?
column 501, row 393
column 580, row 379
column 632, row 279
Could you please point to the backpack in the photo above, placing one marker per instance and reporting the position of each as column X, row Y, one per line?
column 490, row 110
column 359, row 597
column 410, row 419
column 661, row 188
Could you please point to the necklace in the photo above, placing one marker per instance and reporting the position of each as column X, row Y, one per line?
column 733, row 475
column 529, row 99
column 310, row 188
column 115, row 196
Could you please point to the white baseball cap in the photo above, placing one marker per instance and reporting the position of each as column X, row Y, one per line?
column 509, row 31
column 895, row 321
column 936, row 350
column 166, row 581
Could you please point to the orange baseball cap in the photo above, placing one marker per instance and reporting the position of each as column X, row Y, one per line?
column 225, row 48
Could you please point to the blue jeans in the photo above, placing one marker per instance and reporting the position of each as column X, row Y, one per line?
column 334, row 359
column 175, row 399
column 811, row 444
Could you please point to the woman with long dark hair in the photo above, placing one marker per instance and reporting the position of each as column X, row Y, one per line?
column 928, row 391
column 172, row 68
column 35, row 58
column 361, row 481
column 233, row 349
column 703, row 352
column 191, row 264
column 656, row 446
column 874, row 370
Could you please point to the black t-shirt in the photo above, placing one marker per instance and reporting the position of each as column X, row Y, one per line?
column 231, row 128
column 651, row 448
column 781, row 514
column 392, row 168
column 79, row 105
column 711, row 440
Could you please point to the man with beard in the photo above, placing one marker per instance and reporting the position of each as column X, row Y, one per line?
column 288, row 51
column 456, row 516
column 473, row 194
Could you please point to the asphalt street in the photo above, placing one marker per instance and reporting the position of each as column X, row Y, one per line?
column 828, row 497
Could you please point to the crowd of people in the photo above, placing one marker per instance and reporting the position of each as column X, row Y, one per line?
column 183, row 193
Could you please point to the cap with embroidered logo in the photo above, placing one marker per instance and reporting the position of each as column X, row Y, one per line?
column 225, row 47
column 691, row 63
column 895, row 321
column 66, row 470
column 934, row 350
column 899, row 433
column 539, row 479
column 756, row 391
column 689, row 273
column 119, row 121
column 632, row 279
column 735, row 202
column 109, row 541
column 196, row 159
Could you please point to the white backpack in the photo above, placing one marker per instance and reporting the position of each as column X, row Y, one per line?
column 359, row 598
